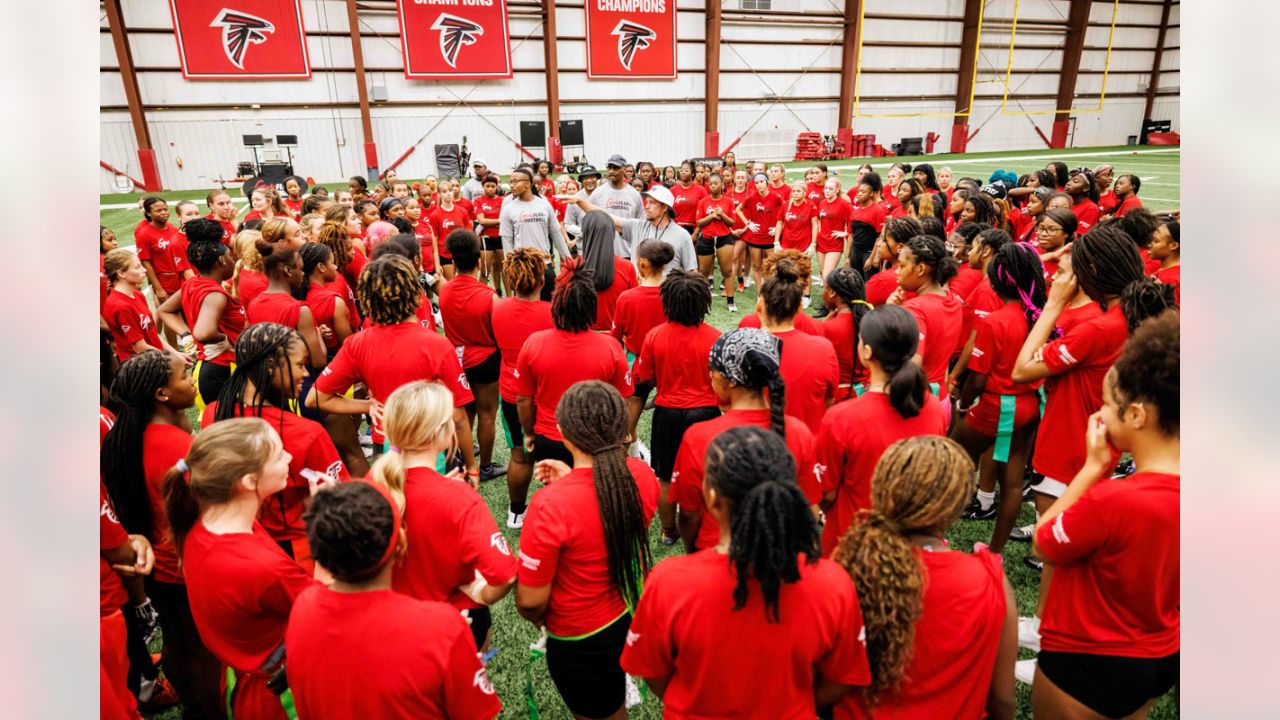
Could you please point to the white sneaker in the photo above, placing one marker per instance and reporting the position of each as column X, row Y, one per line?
column 804, row 303
column 639, row 450
column 1029, row 633
column 1024, row 671
column 514, row 521
column 632, row 693
column 817, row 280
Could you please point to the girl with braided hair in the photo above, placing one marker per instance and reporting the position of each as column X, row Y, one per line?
column 584, row 550
column 151, row 433
column 759, row 604
column 881, row 272
column 853, row 435
column 456, row 554
column 552, row 361
column 1115, row 542
column 925, row 268
column 319, row 286
column 400, row 656
column 271, row 364
column 241, row 585
column 1084, row 198
column 996, row 411
column 940, row 624
column 515, row 317
column 845, row 299
column 745, row 363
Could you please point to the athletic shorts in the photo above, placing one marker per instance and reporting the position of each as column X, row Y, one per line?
column 691, row 229
column 669, row 425
column 765, row 244
column 586, row 670
column 830, row 245
column 491, row 243
column 1049, row 486
column 1110, row 685
column 486, row 373
column 548, row 449
column 511, row 424
column 310, row 412
column 445, row 261
column 480, row 620
column 1016, row 412
column 210, row 378
column 707, row 245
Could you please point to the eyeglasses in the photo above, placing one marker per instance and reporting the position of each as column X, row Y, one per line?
column 1048, row 229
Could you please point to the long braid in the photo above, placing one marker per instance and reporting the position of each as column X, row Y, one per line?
column 770, row 524
column 593, row 416
column 1146, row 298
column 133, row 391
column 920, row 484
column 686, row 299
column 260, row 350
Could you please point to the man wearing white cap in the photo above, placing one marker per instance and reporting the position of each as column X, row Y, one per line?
column 659, row 224
column 619, row 199
column 474, row 187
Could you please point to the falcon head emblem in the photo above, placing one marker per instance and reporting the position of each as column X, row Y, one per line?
column 632, row 37
column 454, row 33
column 239, row 31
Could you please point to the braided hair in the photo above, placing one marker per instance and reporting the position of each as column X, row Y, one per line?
column 1017, row 274
column 388, row 291
column 1146, row 298
column 932, row 252
column 134, row 392
column 930, row 225
column 313, row 253
column 1105, row 261
column 984, row 211
column 1140, row 224
column 573, row 301
column 593, row 417
column 892, row 334
column 1060, row 174
column 204, row 243
column 334, row 235
column 686, row 299
column 524, row 270
column 770, row 523
column 751, row 359
column 261, row 350
column 920, row 484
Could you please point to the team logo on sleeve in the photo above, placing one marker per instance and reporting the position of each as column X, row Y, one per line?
column 482, row 681
column 818, row 470
column 109, row 513
column 632, row 36
column 1065, row 356
column 455, row 32
column 1060, row 532
column 499, row 543
column 334, row 471
column 632, row 637
column 239, row 31
column 529, row 563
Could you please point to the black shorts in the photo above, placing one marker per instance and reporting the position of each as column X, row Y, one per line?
column 691, row 229
column 211, row 379
column 511, row 423
column 669, row 425
column 486, row 373
column 587, row 672
column 491, row 243
column 548, row 449
column 480, row 620
column 708, row 245
column 445, row 261
column 1110, row 685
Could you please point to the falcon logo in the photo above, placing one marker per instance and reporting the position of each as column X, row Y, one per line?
column 499, row 543
column 454, row 33
column 632, row 37
column 481, row 680
column 239, row 31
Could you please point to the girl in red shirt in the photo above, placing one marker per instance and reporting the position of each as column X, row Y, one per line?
column 240, row 584
column 688, row 194
column 329, row 309
column 710, row 619
column 1111, row 625
column 488, row 211
column 907, row 191
column 815, row 179
column 283, row 267
column 151, row 433
column 346, row 257
column 638, row 311
column 809, row 364
column 1102, row 177
column 739, row 194
column 515, row 318
column 866, row 221
column 1084, row 198
column 265, row 204
column 1055, row 232
column 941, row 625
column 956, row 208
column 845, row 299
column 1126, row 195
column 759, row 216
column 128, row 316
column 584, row 550
column 797, row 227
column 884, row 282
column 248, row 281
column 1166, row 247
column 160, row 249
column 716, row 218
column 445, row 218
column 834, row 214
column 925, row 268
column 293, row 196
column 456, row 553
column 400, row 657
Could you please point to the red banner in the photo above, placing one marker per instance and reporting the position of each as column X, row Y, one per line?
column 240, row 39
column 631, row 39
column 454, row 39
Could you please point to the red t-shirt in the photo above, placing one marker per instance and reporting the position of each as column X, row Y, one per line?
column 111, row 535
column 716, row 228
column 881, row 285
column 231, row 323
column 965, row 281
column 638, row 311
column 941, row 318
column 872, row 215
column 323, row 301
column 839, row 329
column 1107, row 201
column 162, row 447
column 1078, row 361
column 833, row 216
column 1115, row 557
column 889, row 197
column 852, row 437
column 275, row 307
column 426, row 244
column 764, row 212
column 797, row 225
column 163, row 249
column 249, row 285
column 690, row 467
column 996, row 347
column 562, row 545
column 241, row 587
column 956, row 641
column 466, row 306
column 1020, row 222
column 491, row 208
column 552, row 361
column 811, row 372
column 1130, row 203
column 295, row 206
column 312, row 449
column 802, row 320
column 514, row 320
column 1172, row 276
column 444, row 222
column 1072, row 316
column 686, row 629
column 624, row 278
column 380, row 654
column 1087, row 214
column 813, row 193
column 228, row 229
column 687, row 200
column 739, row 197
column 675, row 358
column 452, row 536
column 782, row 192
column 980, row 302
column 129, row 319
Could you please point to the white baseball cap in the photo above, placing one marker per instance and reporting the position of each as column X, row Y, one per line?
column 475, row 163
column 662, row 195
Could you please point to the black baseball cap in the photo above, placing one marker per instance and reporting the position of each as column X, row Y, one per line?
column 616, row 161
column 587, row 171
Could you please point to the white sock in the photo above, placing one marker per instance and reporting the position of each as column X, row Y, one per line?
column 986, row 499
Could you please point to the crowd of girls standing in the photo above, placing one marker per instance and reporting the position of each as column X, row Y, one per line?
column 974, row 334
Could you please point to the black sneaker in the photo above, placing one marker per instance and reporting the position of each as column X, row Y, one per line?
column 491, row 472
column 822, row 312
column 1022, row 534
column 975, row 512
column 1034, row 564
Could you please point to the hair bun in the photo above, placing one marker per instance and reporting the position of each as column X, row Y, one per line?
column 787, row 271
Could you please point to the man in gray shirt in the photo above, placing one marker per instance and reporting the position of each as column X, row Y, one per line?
column 659, row 224
column 619, row 199
column 527, row 220
column 589, row 178
column 474, row 187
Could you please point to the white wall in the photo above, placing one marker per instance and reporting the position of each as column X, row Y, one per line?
column 193, row 121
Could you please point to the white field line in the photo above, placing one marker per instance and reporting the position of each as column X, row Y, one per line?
column 125, row 206
column 1006, row 158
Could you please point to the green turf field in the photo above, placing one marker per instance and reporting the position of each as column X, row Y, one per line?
column 512, row 635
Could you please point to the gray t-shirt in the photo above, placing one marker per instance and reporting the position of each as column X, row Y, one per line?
column 472, row 189
column 573, row 215
column 530, row 223
column 624, row 203
column 635, row 232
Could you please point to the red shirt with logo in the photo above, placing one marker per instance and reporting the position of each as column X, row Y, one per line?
column 686, row 202
column 833, row 216
column 111, row 535
column 1130, row 203
column 763, row 211
column 514, row 320
column 162, row 247
column 444, row 222
column 552, row 361
column 1000, row 337
column 466, row 306
column 491, row 208
column 231, row 323
column 129, row 319
column 965, row 281
column 797, row 225
column 717, row 227
column 676, row 359
column 1087, row 214
column 638, row 311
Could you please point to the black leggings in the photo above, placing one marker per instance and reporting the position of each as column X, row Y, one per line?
column 193, row 670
